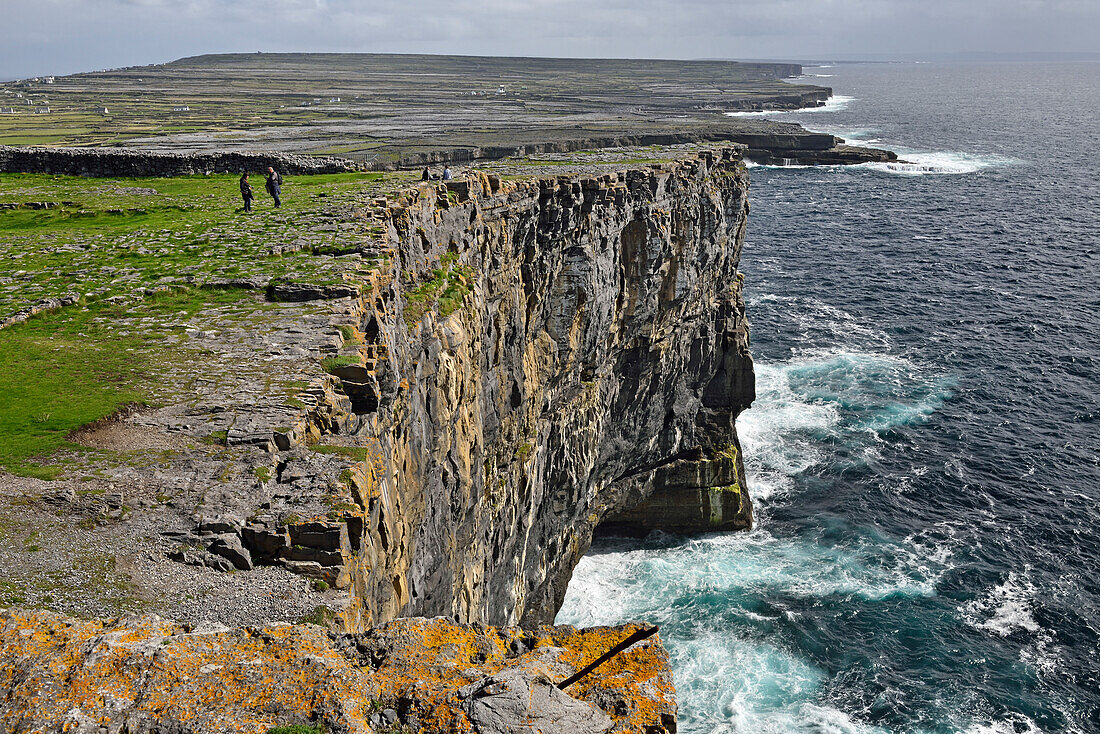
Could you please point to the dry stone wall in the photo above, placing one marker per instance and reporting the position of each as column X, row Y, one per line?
column 105, row 162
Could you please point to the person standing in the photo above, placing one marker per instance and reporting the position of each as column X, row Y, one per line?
column 274, row 185
column 246, row 192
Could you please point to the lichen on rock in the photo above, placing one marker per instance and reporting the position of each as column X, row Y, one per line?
column 145, row 674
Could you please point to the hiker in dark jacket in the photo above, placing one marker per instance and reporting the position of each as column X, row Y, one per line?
column 274, row 185
column 246, row 192
column 427, row 175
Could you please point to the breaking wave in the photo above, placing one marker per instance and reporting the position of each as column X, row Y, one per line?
column 922, row 164
column 834, row 104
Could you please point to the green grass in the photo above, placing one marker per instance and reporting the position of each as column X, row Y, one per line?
column 357, row 453
column 108, row 237
column 63, row 370
column 296, row 729
column 446, row 290
column 344, row 360
column 111, row 242
column 321, row 616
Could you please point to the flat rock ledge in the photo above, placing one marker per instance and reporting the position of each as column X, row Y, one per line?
column 144, row 674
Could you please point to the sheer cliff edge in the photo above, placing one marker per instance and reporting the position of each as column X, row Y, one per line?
column 582, row 364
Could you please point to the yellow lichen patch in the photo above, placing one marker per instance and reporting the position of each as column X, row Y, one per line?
column 639, row 676
column 57, row 672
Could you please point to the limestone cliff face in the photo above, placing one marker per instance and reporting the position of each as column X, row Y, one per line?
column 537, row 359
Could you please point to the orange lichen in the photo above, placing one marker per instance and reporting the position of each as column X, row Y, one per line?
column 247, row 680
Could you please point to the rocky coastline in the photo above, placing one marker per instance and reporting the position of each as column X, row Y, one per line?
column 511, row 364
column 767, row 143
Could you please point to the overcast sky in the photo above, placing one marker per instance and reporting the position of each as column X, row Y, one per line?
column 63, row 36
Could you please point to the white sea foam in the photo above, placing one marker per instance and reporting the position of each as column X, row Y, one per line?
column 923, row 164
column 1015, row 724
column 698, row 588
column 777, row 432
column 832, row 104
column 1004, row 609
column 739, row 683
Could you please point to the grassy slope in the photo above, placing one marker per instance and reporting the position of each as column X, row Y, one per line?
column 115, row 239
column 66, row 369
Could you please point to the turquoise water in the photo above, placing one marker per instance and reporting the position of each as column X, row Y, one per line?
column 923, row 451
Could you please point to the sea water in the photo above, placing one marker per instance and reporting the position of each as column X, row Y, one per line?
column 923, row 451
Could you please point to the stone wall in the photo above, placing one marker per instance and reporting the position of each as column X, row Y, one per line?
column 106, row 162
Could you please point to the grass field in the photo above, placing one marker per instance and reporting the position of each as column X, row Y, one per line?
column 66, row 369
column 137, row 252
column 101, row 238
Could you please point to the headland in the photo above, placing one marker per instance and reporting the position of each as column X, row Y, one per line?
column 397, row 410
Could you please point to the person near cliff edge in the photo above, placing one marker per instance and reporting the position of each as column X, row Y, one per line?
column 427, row 175
column 274, row 185
column 246, row 192
column 447, row 173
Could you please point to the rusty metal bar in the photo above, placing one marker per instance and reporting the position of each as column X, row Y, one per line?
column 638, row 636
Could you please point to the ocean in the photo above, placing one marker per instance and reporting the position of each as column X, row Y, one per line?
column 924, row 450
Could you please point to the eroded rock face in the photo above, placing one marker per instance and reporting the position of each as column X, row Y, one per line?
column 542, row 357
column 145, row 675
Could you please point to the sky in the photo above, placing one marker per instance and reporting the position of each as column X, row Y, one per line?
column 39, row 37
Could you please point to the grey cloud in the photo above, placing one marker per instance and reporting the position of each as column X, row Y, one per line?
column 58, row 36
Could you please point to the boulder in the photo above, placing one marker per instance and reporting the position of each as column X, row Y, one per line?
column 517, row 701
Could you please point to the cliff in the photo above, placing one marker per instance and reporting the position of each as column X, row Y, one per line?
column 428, row 412
column 598, row 360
